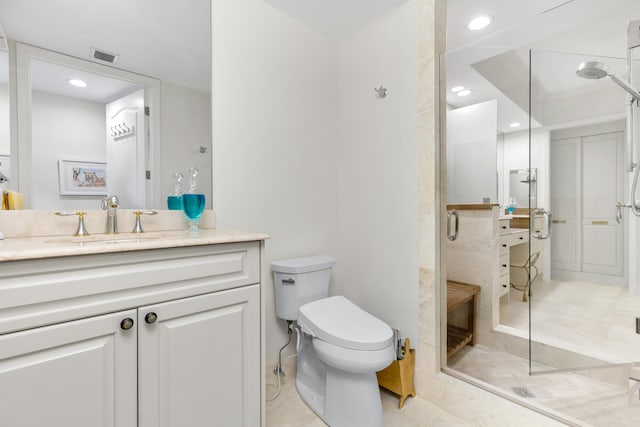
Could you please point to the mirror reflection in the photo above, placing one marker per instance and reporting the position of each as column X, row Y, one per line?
column 5, row 151
column 127, row 67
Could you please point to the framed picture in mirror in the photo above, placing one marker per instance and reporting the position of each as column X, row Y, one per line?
column 79, row 178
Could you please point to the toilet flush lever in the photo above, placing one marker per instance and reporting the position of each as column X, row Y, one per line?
column 288, row 281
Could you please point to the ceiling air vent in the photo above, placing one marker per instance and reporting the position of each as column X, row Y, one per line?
column 102, row 55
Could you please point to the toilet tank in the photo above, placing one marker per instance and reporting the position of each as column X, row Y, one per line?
column 299, row 281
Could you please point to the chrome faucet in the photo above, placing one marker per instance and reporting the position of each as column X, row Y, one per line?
column 110, row 204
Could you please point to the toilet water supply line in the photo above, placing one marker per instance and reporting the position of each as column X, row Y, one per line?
column 291, row 326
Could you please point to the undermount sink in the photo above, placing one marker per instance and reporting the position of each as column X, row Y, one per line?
column 106, row 238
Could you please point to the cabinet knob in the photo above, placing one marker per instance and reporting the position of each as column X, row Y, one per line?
column 126, row 324
column 151, row 317
column 504, row 286
column 504, row 265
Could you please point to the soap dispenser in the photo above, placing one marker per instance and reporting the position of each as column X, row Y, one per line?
column 174, row 200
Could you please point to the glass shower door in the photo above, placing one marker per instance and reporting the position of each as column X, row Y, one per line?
column 584, row 303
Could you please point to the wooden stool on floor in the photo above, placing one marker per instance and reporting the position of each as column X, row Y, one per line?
column 457, row 295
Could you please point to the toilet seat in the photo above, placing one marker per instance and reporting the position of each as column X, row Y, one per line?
column 354, row 361
column 338, row 321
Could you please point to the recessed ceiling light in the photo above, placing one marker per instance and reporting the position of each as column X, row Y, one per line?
column 77, row 83
column 464, row 92
column 457, row 89
column 479, row 22
column 514, row 125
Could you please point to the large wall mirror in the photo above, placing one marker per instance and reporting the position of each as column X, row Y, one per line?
column 144, row 114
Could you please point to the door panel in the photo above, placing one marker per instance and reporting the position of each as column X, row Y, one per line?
column 565, row 251
column 201, row 361
column 565, row 187
column 603, row 238
column 603, row 246
column 77, row 374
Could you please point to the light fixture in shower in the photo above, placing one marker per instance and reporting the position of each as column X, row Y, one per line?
column 464, row 92
column 457, row 89
column 514, row 125
column 479, row 22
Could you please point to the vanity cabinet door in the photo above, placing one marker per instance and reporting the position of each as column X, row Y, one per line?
column 199, row 360
column 74, row 374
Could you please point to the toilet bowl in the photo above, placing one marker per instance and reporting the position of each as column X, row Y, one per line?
column 341, row 345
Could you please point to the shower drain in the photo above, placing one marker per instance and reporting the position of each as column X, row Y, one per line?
column 522, row 391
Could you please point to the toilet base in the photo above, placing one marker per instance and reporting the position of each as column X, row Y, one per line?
column 353, row 400
column 341, row 399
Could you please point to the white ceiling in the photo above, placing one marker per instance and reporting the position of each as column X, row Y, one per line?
column 169, row 40
column 480, row 60
column 166, row 39
column 335, row 18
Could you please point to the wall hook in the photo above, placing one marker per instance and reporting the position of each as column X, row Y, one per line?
column 381, row 91
column 203, row 149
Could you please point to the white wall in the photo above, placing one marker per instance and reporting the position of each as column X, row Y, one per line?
column 185, row 123
column 378, row 169
column 304, row 151
column 64, row 129
column 471, row 153
column 274, row 136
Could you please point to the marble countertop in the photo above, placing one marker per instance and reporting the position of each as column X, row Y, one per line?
column 23, row 248
column 518, row 230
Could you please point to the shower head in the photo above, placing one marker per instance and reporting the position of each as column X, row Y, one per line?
column 592, row 70
column 597, row 70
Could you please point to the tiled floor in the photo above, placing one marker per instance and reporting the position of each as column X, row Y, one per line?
column 288, row 410
column 591, row 401
column 591, row 319
column 585, row 318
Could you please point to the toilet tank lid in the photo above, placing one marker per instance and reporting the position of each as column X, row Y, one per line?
column 303, row 265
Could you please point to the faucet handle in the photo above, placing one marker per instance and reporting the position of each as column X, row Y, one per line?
column 137, row 228
column 110, row 202
column 82, row 230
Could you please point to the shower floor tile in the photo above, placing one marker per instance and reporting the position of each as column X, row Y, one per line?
column 594, row 402
column 592, row 319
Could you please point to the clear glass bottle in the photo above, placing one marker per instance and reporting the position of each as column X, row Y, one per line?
column 174, row 200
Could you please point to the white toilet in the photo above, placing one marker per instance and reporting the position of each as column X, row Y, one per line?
column 341, row 348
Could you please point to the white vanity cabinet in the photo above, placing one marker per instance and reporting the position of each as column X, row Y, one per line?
column 163, row 337
column 78, row 373
column 198, row 363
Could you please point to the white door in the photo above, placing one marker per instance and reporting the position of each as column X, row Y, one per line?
column 602, row 188
column 565, row 191
column 73, row 374
column 126, row 150
column 199, row 361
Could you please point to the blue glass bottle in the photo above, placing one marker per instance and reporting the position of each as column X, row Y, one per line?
column 193, row 202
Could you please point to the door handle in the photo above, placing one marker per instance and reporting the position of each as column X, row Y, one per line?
column 452, row 216
column 537, row 233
